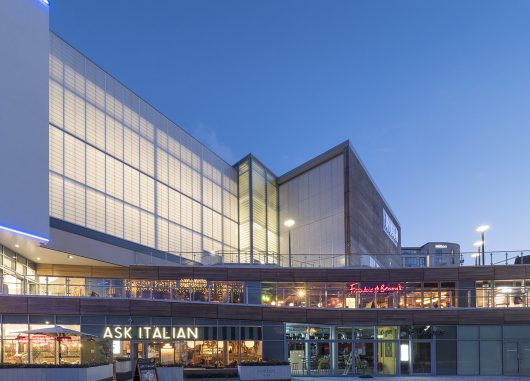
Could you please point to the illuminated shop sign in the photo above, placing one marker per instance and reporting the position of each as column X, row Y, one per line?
column 379, row 289
column 390, row 228
column 440, row 246
column 149, row 332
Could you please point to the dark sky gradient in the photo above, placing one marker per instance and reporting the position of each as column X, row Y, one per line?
column 434, row 95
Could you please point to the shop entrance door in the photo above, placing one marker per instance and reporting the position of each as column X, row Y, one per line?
column 415, row 358
column 517, row 357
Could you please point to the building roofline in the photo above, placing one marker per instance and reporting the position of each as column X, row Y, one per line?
column 315, row 162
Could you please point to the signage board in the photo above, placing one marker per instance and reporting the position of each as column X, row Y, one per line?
column 145, row 370
column 150, row 332
column 390, row 228
column 355, row 288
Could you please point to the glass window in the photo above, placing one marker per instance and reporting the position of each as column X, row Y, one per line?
column 363, row 333
column 15, row 346
column 295, row 332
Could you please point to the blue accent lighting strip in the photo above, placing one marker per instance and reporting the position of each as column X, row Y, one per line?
column 24, row 234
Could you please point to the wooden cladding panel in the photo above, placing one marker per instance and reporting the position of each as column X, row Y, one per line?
column 198, row 310
column 405, row 275
column 149, row 308
column 438, row 316
column 143, row 272
column 476, row 273
column 239, row 312
column 293, row 315
column 509, row 272
column 243, row 274
column 45, row 305
column 104, row 307
column 309, row 275
column 322, row 316
column 343, row 275
column 480, row 316
column 13, row 305
column 358, row 317
column 109, row 272
column 210, row 273
column 441, row 274
column 516, row 316
column 174, row 273
column 118, row 272
column 395, row 317
column 375, row 275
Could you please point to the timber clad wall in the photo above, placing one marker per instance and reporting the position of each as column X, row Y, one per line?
column 291, row 275
column 123, row 307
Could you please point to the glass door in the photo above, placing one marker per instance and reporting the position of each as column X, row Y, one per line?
column 524, row 358
column 517, row 358
column 421, row 357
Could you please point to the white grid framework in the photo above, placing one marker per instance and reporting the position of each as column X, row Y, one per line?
column 120, row 167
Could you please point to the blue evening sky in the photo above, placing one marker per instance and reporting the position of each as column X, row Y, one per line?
column 434, row 95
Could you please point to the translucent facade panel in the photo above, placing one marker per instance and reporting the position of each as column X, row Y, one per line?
column 315, row 201
column 120, row 167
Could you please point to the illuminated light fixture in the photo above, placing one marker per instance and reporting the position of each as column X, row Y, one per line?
column 249, row 344
column 38, row 258
column 506, row 290
column 289, row 223
column 70, row 257
column 301, row 293
column 482, row 228
column 478, row 243
column 476, row 255
column 190, row 344
column 45, row 2
column 38, row 238
column 17, row 245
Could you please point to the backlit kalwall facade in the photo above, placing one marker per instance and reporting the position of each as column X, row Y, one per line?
column 119, row 167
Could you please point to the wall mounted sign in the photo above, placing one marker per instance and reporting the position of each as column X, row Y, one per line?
column 378, row 289
column 150, row 332
column 390, row 228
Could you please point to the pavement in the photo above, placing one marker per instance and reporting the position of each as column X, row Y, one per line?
column 418, row 378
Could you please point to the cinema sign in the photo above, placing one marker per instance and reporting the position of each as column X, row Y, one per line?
column 151, row 332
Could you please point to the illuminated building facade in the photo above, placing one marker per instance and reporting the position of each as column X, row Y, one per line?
column 124, row 227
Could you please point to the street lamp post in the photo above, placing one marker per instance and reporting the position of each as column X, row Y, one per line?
column 481, row 229
column 289, row 224
column 478, row 245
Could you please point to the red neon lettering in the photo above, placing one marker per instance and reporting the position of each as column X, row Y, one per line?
column 379, row 289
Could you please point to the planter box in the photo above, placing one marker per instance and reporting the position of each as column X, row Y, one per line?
column 170, row 373
column 124, row 370
column 94, row 373
column 272, row 372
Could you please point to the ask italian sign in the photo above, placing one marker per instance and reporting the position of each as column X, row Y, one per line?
column 151, row 332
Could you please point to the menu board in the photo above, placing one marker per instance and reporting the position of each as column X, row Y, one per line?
column 145, row 370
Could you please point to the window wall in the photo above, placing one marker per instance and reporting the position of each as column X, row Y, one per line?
column 258, row 214
column 120, row 167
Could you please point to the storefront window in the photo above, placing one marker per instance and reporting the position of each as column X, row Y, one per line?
column 335, row 295
column 344, row 358
column 509, row 293
column 320, row 358
column 363, row 358
column 297, row 358
column 363, row 333
column 291, row 294
column 317, row 294
column 296, row 332
column 268, row 293
column 15, row 347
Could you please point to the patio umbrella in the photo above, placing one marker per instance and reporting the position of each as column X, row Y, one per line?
column 57, row 331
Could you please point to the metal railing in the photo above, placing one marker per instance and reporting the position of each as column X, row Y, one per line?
column 486, row 293
column 314, row 260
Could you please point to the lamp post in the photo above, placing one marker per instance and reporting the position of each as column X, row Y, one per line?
column 481, row 229
column 289, row 224
column 478, row 245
